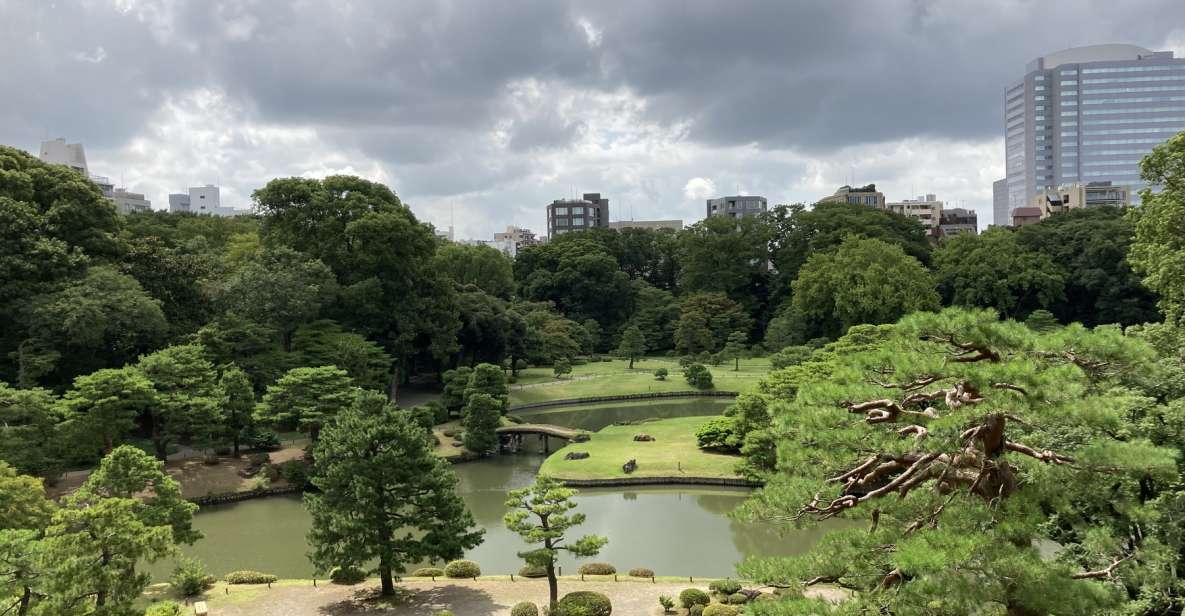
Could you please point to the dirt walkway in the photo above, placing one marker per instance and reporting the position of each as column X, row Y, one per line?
column 464, row 598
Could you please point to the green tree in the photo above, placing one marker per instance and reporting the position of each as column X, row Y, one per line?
column 706, row 320
column 730, row 256
column 103, row 319
column 483, row 266
column 861, row 281
column 101, row 409
column 542, row 515
column 454, row 383
column 1158, row 246
column 1041, row 321
column 581, row 277
column 698, row 376
column 481, row 418
column 383, row 498
column 735, row 347
column 128, row 511
column 24, row 514
column 490, row 380
column 188, row 399
column 324, row 343
column 487, row 330
column 561, row 367
column 238, row 404
column 590, row 343
column 172, row 277
column 307, row 398
column 633, row 344
column 280, row 288
column 994, row 270
column 969, row 442
column 655, row 313
column 29, row 438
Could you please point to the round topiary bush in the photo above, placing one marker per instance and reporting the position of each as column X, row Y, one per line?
column 165, row 608
column 736, row 598
column 718, row 609
column 428, row 572
column 725, row 587
column 249, row 577
column 347, row 576
column 532, row 571
column 524, row 608
column 583, row 603
column 462, row 569
column 696, row 610
column 597, row 569
column 693, row 596
column 641, row 572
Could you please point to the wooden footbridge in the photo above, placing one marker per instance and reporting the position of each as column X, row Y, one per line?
column 514, row 434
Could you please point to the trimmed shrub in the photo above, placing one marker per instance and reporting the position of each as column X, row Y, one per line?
column 262, row 440
column 249, row 577
column 524, row 608
column 661, row 374
column 597, row 569
column 667, row 603
column 462, row 569
column 696, row 610
column 641, row 572
column 693, row 596
column 428, row 572
column 737, row 598
column 719, row 434
column 725, row 587
column 584, row 602
column 165, row 608
column 190, row 578
column 347, row 576
column 532, row 571
column 295, row 472
column 719, row 609
column 698, row 376
column 561, row 367
column 257, row 460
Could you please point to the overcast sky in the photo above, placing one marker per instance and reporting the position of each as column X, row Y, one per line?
column 492, row 108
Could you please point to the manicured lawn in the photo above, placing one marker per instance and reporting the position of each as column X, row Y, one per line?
column 613, row 378
column 673, row 453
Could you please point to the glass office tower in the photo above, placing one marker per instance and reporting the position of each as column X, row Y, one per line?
column 1089, row 114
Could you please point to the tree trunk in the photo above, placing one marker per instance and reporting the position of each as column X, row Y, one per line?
column 631, row 363
column 235, row 443
column 738, row 365
column 162, row 448
column 553, row 586
column 388, row 587
column 26, row 598
column 393, row 386
column 314, row 433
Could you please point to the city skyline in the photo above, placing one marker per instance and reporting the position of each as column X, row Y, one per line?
column 537, row 101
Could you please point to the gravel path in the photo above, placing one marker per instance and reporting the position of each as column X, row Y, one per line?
column 480, row 598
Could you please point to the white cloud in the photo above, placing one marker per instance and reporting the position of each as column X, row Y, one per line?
column 699, row 189
column 1175, row 42
column 94, row 57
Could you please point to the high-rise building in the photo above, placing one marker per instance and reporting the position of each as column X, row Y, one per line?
column 58, row 152
column 127, row 202
column 1000, row 203
column 738, row 206
column 1089, row 114
column 862, row 195
column 566, row 215
column 514, row 239
column 202, row 200
column 926, row 209
column 1078, row 195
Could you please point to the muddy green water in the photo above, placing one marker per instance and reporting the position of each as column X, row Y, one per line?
column 674, row 531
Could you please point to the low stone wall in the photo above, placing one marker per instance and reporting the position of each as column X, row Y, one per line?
column 622, row 397
column 660, row 481
column 233, row 497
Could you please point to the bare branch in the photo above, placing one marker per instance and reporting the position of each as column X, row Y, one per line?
column 918, row 432
column 1044, row 456
column 1106, row 573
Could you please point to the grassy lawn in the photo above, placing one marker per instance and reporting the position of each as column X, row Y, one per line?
column 614, row 378
column 673, row 453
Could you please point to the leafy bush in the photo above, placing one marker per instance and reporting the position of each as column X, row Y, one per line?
column 347, row 576
column 686, row 360
column 725, row 587
column 262, row 440
column 667, row 604
column 423, row 417
column 597, row 569
column 790, row 356
column 295, row 472
column 439, row 411
column 719, row 434
column 532, row 571
column 698, row 376
column 661, row 374
column 249, row 577
column 584, row 602
column 428, row 572
column 462, row 569
column 524, row 608
column 190, row 578
column 165, row 608
column 641, row 572
column 718, row 609
column 258, row 484
column 736, row 598
column 696, row 610
column 257, row 460
column 693, row 596
column 561, row 367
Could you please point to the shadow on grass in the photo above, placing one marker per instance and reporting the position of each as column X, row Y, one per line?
column 428, row 602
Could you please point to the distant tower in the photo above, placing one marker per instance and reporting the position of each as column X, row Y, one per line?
column 58, row 152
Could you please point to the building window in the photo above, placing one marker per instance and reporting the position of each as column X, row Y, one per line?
column 561, row 211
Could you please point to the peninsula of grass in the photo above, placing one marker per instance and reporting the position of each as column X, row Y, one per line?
column 672, row 455
column 615, row 378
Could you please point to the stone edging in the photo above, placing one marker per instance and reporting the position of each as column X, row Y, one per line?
column 660, row 481
column 234, row 497
column 642, row 396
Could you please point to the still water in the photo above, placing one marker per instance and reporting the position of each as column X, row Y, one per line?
column 672, row 530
